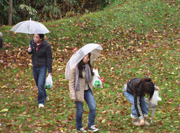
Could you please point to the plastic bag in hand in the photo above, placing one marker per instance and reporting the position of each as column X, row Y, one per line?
column 96, row 81
column 49, row 82
column 154, row 100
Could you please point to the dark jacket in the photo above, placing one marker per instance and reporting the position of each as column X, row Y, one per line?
column 134, row 87
column 43, row 56
column 131, row 83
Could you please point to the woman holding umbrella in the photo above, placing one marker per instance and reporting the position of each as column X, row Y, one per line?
column 79, row 72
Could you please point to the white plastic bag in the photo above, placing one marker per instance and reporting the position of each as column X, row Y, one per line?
column 49, row 82
column 154, row 100
column 96, row 81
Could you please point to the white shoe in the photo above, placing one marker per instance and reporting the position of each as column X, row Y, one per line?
column 46, row 99
column 82, row 130
column 93, row 129
column 41, row 105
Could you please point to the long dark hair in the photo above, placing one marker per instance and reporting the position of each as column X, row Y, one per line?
column 81, row 67
column 145, row 85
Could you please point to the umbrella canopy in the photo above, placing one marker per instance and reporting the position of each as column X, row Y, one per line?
column 30, row 27
column 94, row 49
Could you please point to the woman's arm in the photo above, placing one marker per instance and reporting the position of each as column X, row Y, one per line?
column 72, row 84
column 49, row 59
column 156, row 88
column 30, row 50
column 137, row 103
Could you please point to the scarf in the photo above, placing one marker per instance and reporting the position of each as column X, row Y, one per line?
column 38, row 45
column 88, row 76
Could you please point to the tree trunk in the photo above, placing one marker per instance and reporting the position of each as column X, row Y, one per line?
column 10, row 12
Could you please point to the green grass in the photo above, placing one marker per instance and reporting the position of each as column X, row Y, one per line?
column 139, row 38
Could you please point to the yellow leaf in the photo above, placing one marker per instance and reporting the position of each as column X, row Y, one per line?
column 4, row 86
column 155, row 30
column 103, row 112
column 103, row 121
column 30, row 98
column 30, row 64
column 4, row 110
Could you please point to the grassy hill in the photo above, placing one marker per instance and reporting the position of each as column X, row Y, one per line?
column 139, row 38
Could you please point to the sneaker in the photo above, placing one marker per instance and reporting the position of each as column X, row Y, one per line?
column 82, row 130
column 46, row 99
column 93, row 129
column 41, row 105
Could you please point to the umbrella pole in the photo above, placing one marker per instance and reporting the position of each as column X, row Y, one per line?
column 29, row 36
column 153, row 114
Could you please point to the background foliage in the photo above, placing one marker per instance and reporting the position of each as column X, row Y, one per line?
column 48, row 9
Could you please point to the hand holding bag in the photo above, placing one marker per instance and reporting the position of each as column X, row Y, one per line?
column 49, row 82
column 97, row 81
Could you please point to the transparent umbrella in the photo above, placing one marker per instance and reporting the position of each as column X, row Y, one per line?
column 30, row 27
column 94, row 49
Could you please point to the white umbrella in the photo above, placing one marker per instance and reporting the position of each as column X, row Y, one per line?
column 94, row 49
column 30, row 27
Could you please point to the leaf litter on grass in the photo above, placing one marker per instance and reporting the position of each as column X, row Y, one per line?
column 126, row 54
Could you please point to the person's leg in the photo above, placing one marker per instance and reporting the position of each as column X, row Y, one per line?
column 134, row 115
column 130, row 98
column 145, row 110
column 35, row 74
column 144, row 106
column 89, row 98
column 79, row 112
column 41, row 83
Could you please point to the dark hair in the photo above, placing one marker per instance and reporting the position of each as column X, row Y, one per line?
column 145, row 85
column 81, row 67
column 41, row 36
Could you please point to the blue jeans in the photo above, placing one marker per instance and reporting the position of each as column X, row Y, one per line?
column 144, row 106
column 89, row 98
column 40, row 77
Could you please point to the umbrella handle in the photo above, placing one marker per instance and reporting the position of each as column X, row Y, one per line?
column 102, row 79
column 152, row 114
